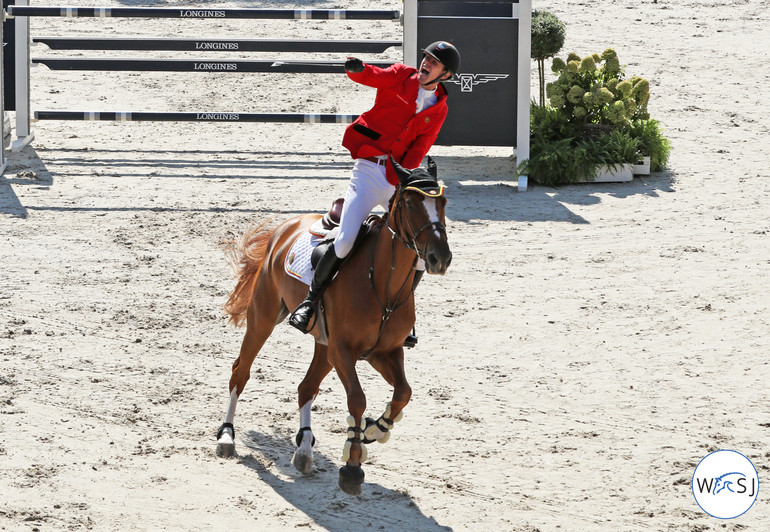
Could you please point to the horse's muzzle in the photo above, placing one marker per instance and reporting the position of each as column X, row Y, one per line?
column 438, row 258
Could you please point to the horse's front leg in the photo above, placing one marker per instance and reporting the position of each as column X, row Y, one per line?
column 307, row 392
column 351, row 476
column 391, row 367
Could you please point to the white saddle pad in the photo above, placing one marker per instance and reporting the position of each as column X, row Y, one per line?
column 297, row 263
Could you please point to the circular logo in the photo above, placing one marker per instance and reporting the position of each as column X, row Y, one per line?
column 725, row 484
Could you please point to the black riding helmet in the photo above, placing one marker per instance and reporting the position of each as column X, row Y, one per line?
column 446, row 53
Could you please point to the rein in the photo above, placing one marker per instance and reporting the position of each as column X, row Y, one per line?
column 410, row 242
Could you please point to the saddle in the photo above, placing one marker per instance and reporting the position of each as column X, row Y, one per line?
column 331, row 223
column 331, row 219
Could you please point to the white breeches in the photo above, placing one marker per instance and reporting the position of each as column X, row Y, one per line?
column 367, row 189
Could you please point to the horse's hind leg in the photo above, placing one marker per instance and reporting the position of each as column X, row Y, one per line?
column 391, row 367
column 259, row 325
column 307, row 392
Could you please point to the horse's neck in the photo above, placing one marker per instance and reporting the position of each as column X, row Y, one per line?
column 393, row 263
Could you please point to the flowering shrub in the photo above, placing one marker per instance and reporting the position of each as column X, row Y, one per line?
column 592, row 89
column 596, row 117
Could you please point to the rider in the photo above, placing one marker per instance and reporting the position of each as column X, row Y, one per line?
column 409, row 110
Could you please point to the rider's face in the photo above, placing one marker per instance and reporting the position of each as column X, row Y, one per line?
column 430, row 69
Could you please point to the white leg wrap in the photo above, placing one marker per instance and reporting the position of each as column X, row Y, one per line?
column 230, row 416
column 226, row 438
column 304, row 413
column 353, row 434
column 352, row 424
column 306, row 445
column 346, row 452
column 398, row 418
column 227, row 434
column 364, row 454
column 374, row 432
column 303, row 456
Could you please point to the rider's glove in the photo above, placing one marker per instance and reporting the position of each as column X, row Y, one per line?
column 354, row 65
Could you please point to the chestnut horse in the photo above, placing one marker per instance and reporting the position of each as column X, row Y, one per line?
column 368, row 310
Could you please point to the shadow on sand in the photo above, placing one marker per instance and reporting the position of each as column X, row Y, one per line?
column 482, row 189
column 26, row 170
column 318, row 496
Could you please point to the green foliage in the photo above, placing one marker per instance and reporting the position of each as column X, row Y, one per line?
column 547, row 34
column 651, row 142
column 560, row 154
column 547, row 39
column 596, row 117
column 557, row 162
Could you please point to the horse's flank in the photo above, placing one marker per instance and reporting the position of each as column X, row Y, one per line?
column 246, row 255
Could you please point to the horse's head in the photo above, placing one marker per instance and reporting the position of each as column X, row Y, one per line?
column 417, row 215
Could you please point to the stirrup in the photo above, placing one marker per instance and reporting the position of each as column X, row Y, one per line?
column 411, row 340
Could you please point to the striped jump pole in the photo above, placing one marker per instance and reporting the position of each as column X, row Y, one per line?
column 22, row 11
column 198, row 13
column 113, row 116
column 218, row 45
column 175, row 65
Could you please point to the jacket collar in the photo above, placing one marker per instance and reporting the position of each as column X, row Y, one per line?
column 441, row 92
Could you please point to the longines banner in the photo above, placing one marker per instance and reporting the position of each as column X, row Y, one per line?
column 487, row 36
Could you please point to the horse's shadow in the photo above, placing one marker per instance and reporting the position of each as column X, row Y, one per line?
column 318, row 496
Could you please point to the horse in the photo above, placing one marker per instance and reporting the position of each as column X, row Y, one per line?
column 366, row 313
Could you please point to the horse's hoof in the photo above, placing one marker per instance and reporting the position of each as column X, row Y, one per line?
column 351, row 479
column 225, row 449
column 302, row 462
column 226, row 440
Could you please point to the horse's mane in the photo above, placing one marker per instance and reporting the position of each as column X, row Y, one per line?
column 245, row 256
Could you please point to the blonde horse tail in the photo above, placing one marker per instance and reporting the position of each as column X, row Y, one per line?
column 246, row 256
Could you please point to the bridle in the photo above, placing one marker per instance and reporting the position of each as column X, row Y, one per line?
column 409, row 240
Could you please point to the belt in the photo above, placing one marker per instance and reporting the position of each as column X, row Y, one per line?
column 375, row 160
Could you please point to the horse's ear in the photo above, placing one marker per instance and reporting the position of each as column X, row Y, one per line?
column 432, row 168
column 402, row 173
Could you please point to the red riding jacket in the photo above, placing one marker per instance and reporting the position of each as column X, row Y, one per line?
column 391, row 127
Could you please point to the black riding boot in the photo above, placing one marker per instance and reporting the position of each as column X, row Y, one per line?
column 324, row 273
column 411, row 340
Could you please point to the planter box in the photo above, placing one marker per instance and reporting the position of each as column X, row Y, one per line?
column 642, row 168
column 617, row 174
